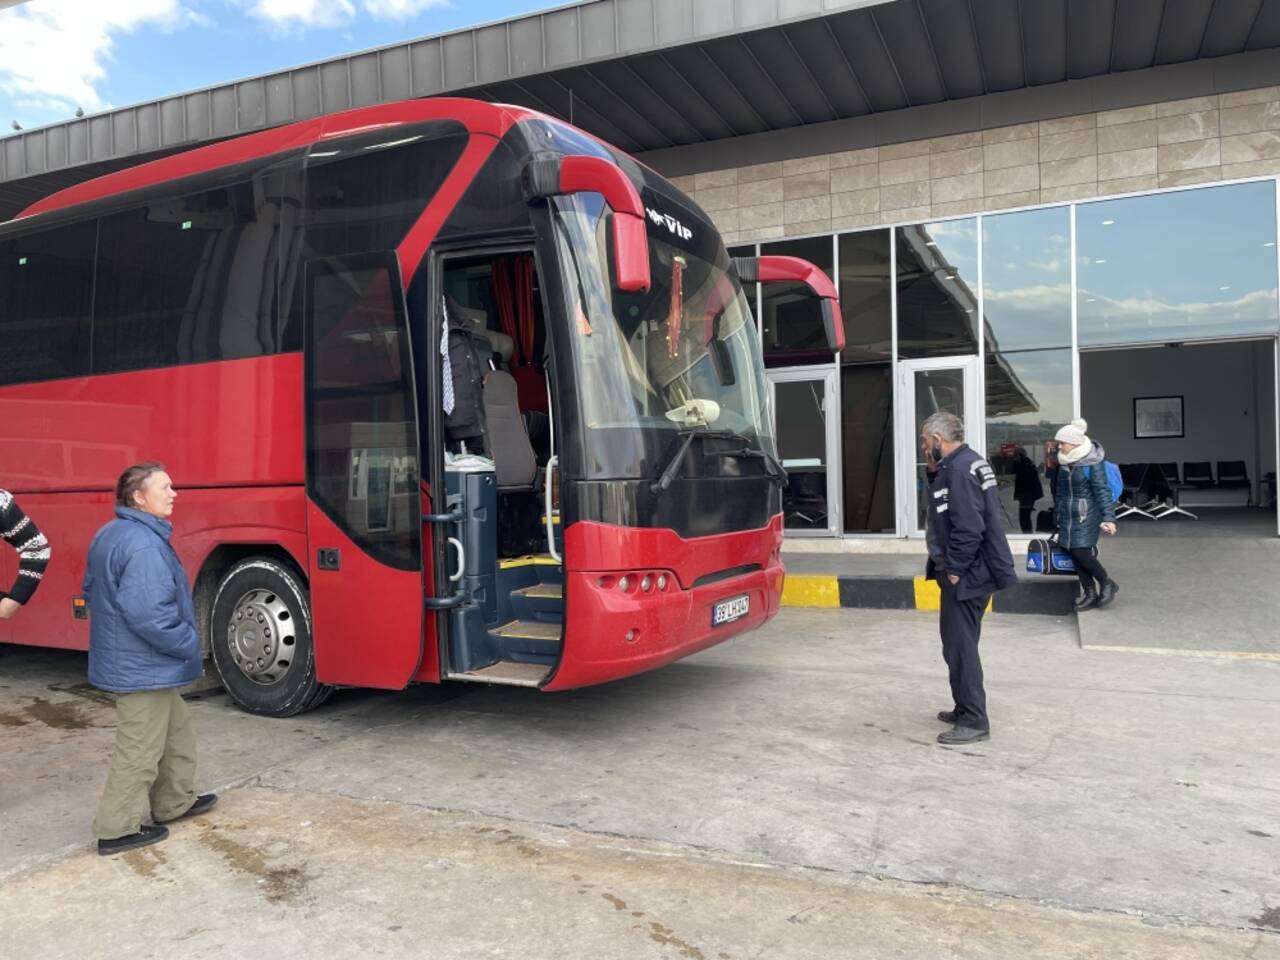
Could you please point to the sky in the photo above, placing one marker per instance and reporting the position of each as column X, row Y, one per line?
column 60, row 55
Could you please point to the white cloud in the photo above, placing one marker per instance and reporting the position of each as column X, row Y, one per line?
column 53, row 53
column 304, row 14
column 400, row 9
column 301, row 15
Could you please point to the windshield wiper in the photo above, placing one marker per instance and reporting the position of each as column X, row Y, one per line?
column 776, row 471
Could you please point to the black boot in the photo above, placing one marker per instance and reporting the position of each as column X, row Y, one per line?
column 1109, row 590
column 1087, row 600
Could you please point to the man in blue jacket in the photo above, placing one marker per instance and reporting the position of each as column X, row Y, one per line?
column 143, row 646
column 969, row 556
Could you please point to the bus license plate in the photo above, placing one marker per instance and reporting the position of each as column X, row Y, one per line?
column 727, row 611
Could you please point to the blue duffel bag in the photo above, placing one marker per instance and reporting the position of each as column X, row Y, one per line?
column 1048, row 558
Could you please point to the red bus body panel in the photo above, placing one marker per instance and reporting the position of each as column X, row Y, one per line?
column 364, row 643
column 667, row 625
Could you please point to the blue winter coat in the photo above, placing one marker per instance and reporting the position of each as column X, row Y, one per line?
column 142, row 621
column 1084, row 500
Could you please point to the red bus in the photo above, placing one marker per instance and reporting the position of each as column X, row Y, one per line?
column 286, row 319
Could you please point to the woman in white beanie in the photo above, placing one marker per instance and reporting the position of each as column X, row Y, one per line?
column 1085, row 509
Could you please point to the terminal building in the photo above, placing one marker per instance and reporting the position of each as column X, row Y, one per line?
column 1034, row 210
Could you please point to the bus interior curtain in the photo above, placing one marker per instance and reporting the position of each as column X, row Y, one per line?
column 513, row 293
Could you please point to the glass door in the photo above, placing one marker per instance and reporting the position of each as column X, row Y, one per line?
column 926, row 387
column 806, row 423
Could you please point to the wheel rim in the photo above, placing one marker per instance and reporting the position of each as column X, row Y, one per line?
column 260, row 637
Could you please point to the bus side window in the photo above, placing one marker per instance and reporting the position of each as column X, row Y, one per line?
column 46, row 289
column 187, row 280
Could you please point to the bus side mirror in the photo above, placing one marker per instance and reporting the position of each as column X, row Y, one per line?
column 558, row 176
column 795, row 270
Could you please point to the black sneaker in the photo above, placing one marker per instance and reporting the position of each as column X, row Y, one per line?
column 947, row 716
column 203, row 804
column 149, row 834
column 959, row 736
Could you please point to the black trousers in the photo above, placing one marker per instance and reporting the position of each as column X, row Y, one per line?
column 961, row 625
column 1088, row 569
column 1025, row 510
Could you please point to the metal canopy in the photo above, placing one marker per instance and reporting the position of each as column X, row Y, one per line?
column 657, row 74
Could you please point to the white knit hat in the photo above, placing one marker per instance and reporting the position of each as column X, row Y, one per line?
column 1073, row 433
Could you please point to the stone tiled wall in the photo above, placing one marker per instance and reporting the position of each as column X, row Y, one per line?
column 1121, row 151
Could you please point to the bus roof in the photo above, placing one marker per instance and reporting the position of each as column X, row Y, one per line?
column 479, row 117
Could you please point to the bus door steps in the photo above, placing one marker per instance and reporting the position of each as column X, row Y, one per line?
column 507, row 673
column 534, row 630
column 539, row 602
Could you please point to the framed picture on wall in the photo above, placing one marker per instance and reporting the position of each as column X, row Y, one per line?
column 1155, row 417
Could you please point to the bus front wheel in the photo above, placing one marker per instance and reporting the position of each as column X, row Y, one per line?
column 261, row 639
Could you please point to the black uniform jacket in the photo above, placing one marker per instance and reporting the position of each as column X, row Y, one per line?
column 965, row 532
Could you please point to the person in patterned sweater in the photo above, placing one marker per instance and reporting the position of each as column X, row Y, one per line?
column 33, row 554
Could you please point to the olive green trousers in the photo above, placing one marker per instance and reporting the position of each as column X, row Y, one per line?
column 153, row 769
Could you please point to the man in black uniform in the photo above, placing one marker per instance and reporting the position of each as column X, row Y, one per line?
column 969, row 557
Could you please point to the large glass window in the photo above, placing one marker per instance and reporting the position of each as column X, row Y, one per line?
column 866, row 423
column 792, row 330
column 866, row 296
column 938, row 289
column 1026, row 279
column 46, row 290
column 1028, row 397
column 1173, row 266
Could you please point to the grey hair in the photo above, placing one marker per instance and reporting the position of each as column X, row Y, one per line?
column 946, row 425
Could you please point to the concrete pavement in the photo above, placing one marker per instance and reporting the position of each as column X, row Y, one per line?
column 1127, row 805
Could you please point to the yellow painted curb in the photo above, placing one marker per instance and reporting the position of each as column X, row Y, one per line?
column 811, row 590
column 929, row 595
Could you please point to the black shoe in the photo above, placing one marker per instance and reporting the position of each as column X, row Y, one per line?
column 204, row 803
column 1109, row 591
column 947, row 716
column 148, row 835
column 958, row 736
column 1087, row 600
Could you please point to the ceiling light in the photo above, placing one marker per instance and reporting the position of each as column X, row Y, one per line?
column 1100, row 260
column 931, row 243
column 1224, row 288
column 1269, row 243
column 1107, row 223
column 1092, row 300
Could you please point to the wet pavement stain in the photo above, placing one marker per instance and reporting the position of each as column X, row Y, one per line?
column 10, row 719
column 1259, row 833
column 664, row 935
column 64, row 715
column 1268, row 919
column 279, row 884
column 85, row 691
column 618, row 904
column 145, row 862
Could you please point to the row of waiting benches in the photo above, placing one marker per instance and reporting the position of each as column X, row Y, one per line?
column 1156, row 490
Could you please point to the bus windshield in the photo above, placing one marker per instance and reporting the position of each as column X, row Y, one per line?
column 680, row 356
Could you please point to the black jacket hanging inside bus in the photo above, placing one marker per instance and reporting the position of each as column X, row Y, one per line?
column 467, row 350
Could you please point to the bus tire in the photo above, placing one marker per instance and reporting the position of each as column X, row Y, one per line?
column 260, row 636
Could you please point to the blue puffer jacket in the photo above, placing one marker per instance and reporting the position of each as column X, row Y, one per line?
column 142, row 622
column 1084, row 500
